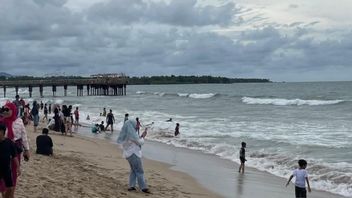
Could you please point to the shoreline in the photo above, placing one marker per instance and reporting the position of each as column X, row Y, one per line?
column 80, row 163
column 221, row 176
column 91, row 167
column 205, row 167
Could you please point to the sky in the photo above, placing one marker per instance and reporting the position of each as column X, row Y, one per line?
column 282, row 40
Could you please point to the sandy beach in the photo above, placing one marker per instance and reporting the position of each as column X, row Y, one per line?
column 91, row 167
column 86, row 167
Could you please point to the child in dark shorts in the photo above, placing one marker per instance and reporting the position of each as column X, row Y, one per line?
column 8, row 153
column 242, row 157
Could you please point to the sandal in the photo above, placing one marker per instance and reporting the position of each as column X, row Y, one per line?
column 146, row 190
column 131, row 189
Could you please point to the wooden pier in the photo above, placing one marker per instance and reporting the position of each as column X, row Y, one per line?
column 96, row 85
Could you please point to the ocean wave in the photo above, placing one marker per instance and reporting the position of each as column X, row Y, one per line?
column 183, row 94
column 332, row 177
column 202, row 96
column 189, row 95
column 288, row 102
column 140, row 92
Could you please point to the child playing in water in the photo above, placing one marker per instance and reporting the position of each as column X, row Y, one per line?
column 301, row 175
column 242, row 157
column 177, row 129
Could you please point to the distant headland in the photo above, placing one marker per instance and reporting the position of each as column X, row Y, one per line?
column 150, row 80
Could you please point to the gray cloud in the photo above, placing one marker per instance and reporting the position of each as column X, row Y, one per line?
column 147, row 38
column 176, row 12
column 293, row 6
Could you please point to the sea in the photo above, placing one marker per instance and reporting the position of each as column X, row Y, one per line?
column 280, row 122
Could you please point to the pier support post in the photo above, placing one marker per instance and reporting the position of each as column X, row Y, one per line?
column 54, row 90
column 4, row 91
column 16, row 89
column 65, row 90
column 41, row 90
column 88, row 88
column 125, row 89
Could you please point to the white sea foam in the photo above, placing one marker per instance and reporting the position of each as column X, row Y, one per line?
column 201, row 96
column 59, row 101
column 140, row 92
column 183, row 94
column 193, row 137
column 286, row 102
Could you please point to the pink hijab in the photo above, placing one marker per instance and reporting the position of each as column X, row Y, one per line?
column 10, row 120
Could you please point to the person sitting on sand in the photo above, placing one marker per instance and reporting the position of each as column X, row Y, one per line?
column 44, row 143
column 95, row 128
column 132, row 151
column 51, row 124
column 101, row 126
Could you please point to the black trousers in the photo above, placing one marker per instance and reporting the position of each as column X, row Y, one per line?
column 300, row 192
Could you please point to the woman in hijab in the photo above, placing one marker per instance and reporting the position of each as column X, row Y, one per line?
column 132, row 151
column 17, row 133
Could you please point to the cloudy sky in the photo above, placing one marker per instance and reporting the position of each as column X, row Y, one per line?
column 283, row 40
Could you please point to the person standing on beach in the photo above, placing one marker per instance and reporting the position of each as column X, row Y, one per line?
column 126, row 118
column 67, row 119
column 16, row 132
column 49, row 108
column 17, row 103
column 8, row 155
column 23, row 103
column 104, row 112
column 45, row 112
column 177, row 129
column 35, row 115
column 242, row 157
column 301, row 176
column 110, row 119
column 76, row 112
column 132, row 151
column 138, row 125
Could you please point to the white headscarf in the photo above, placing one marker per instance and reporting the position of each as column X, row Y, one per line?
column 128, row 132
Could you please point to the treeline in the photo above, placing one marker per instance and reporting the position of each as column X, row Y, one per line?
column 15, row 78
column 145, row 80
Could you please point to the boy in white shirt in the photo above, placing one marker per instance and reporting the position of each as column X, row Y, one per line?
column 301, row 175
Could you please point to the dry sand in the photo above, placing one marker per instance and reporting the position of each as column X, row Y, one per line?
column 86, row 167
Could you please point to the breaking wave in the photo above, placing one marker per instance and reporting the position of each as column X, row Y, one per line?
column 189, row 95
column 288, row 102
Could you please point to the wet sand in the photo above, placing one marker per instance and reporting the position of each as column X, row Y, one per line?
column 221, row 176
